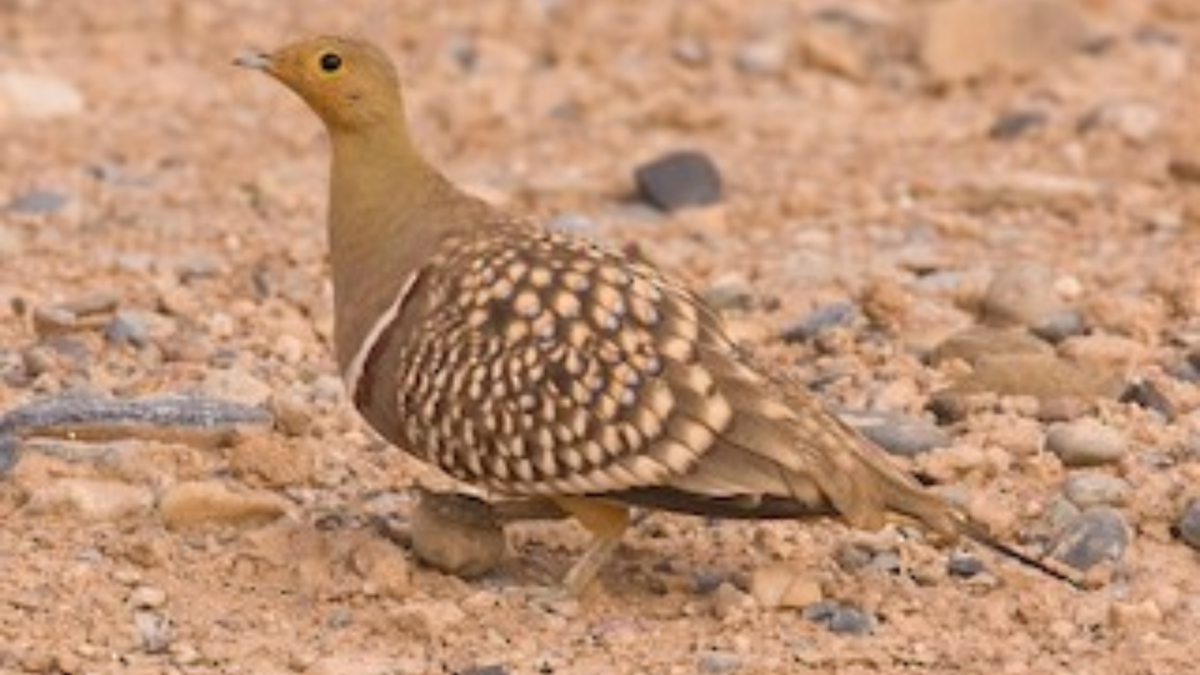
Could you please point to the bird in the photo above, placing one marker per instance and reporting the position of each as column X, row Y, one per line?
column 538, row 365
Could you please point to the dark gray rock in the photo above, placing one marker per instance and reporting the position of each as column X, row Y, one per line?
column 678, row 180
column 1189, row 525
column 964, row 565
column 1150, row 397
column 1013, row 125
column 821, row 320
column 1060, row 325
column 839, row 618
column 1097, row 535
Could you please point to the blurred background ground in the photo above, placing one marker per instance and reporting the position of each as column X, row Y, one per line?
column 970, row 224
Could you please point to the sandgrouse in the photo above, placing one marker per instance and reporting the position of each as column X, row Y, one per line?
column 539, row 365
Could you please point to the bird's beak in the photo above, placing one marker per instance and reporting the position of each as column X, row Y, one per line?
column 255, row 60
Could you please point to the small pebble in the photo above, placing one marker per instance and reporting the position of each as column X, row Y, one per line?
column 39, row 202
column 1150, row 397
column 1189, row 525
column 718, row 662
column 154, row 630
column 49, row 321
column 39, row 96
column 1134, row 121
column 1086, row 442
column 964, row 565
column 127, row 328
column 1097, row 535
column 1012, row 125
column 147, row 597
column 1060, row 325
column 784, row 586
column 678, row 180
column 902, row 435
column 839, row 618
column 820, row 320
column 457, row 534
column 1094, row 489
column 211, row 502
column 1022, row 294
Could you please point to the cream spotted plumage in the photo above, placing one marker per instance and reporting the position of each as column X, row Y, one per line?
column 540, row 365
column 550, row 366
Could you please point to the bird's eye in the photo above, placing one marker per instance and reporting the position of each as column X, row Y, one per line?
column 330, row 62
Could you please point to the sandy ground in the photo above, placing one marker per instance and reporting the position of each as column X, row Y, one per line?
column 183, row 199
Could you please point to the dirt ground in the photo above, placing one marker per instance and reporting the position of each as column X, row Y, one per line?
column 162, row 233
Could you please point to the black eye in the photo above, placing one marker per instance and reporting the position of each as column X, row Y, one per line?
column 330, row 62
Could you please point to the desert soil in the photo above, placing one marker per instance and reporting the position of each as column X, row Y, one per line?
column 162, row 233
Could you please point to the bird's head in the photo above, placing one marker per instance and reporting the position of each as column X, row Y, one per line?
column 350, row 84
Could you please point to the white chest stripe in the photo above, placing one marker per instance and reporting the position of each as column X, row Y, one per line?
column 354, row 371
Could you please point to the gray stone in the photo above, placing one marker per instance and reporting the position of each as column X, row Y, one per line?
column 40, row 202
column 127, row 328
column 718, row 662
column 1086, row 442
column 964, row 565
column 820, row 320
column 1015, row 124
column 902, row 435
column 1149, row 396
column 839, row 618
column 1060, row 325
column 154, row 629
column 1097, row 535
column 1189, row 524
column 1096, row 489
column 679, row 180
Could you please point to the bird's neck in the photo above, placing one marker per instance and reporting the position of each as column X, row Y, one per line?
column 383, row 219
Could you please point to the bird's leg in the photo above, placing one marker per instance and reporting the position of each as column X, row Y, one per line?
column 607, row 521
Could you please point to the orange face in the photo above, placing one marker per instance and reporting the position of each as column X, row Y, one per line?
column 350, row 84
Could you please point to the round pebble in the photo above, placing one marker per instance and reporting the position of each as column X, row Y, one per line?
column 1086, row 442
column 1189, row 525
column 457, row 534
column 1022, row 295
column 903, row 435
column 1097, row 535
column 964, row 565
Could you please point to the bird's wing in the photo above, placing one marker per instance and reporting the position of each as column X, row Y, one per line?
column 546, row 365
